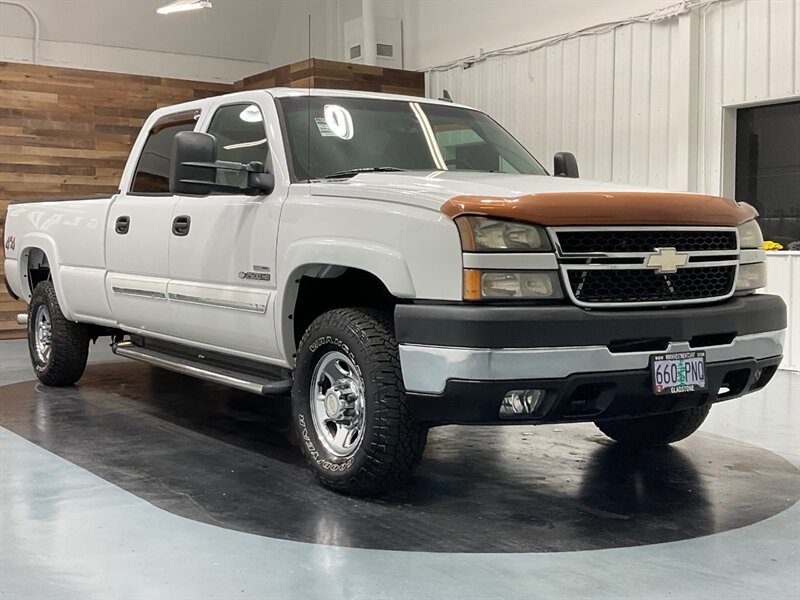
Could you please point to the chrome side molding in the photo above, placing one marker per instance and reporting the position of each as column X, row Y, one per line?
column 155, row 295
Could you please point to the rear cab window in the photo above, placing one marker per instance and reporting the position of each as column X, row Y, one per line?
column 152, row 171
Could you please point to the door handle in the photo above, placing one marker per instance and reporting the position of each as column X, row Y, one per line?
column 122, row 225
column 181, row 224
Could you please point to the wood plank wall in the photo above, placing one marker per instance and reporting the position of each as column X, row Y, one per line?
column 67, row 132
column 331, row 74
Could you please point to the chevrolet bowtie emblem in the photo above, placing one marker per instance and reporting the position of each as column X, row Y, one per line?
column 666, row 260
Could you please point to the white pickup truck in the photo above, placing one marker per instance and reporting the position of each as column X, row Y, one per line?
column 397, row 263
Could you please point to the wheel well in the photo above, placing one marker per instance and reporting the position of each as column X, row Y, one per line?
column 38, row 268
column 348, row 288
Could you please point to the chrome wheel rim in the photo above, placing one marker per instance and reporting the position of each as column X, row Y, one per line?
column 337, row 404
column 43, row 334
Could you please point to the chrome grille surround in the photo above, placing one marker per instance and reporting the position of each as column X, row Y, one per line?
column 576, row 265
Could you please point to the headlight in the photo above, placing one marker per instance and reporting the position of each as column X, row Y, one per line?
column 751, row 277
column 750, row 235
column 498, row 285
column 481, row 234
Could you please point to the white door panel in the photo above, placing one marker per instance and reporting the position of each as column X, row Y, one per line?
column 139, row 302
column 138, row 266
column 210, row 296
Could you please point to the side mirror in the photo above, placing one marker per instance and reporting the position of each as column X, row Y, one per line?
column 189, row 151
column 195, row 170
column 564, row 164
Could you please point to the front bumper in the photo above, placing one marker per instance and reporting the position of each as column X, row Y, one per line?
column 593, row 364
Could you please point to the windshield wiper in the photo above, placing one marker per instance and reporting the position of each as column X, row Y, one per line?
column 354, row 172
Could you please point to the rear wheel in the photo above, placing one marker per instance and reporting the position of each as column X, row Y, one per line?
column 58, row 347
column 349, row 405
column 657, row 430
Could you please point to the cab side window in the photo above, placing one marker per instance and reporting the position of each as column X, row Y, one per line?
column 240, row 133
column 152, row 171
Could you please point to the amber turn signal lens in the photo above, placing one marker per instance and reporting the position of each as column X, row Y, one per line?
column 472, row 284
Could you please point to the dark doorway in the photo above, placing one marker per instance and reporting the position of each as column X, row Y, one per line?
column 768, row 167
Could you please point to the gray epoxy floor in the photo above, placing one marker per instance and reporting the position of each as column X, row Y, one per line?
column 67, row 533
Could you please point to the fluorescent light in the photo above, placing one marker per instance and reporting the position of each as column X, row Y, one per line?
column 339, row 121
column 251, row 114
column 183, row 6
column 430, row 137
column 245, row 144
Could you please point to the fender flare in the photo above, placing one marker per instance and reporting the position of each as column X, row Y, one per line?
column 45, row 243
column 384, row 262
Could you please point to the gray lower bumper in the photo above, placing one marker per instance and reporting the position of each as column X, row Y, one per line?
column 426, row 369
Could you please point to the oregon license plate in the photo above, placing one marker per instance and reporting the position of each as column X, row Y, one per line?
column 679, row 373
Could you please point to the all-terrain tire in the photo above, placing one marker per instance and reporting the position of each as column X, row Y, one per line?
column 657, row 430
column 65, row 361
column 392, row 442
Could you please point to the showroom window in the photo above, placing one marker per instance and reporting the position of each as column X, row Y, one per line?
column 240, row 133
column 152, row 171
column 768, row 167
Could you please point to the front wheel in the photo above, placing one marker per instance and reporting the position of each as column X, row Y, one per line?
column 58, row 347
column 349, row 405
column 656, row 430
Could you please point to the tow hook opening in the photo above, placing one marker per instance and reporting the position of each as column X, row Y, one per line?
column 762, row 377
column 590, row 399
column 734, row 383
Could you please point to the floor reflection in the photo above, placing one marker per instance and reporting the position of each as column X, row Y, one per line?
column 225, row 457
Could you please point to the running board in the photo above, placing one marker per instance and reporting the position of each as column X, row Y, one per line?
column 248, row 383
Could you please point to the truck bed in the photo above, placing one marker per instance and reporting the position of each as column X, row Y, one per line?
column 79, row 227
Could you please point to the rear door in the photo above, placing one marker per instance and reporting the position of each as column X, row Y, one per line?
column 222, row 263
column 138, row 231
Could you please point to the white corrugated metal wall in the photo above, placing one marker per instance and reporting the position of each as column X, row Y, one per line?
column 643, row 103
column 783, row 274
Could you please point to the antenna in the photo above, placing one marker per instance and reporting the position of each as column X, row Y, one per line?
column 446, row 96
column 308, row 107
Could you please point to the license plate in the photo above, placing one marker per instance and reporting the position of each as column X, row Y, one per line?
column 679, row 373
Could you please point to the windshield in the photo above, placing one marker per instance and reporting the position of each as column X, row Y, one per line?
column 356, row 134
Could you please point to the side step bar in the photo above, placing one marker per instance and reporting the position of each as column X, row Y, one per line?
column 248, row 383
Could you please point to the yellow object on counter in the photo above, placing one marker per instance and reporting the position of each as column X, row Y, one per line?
column 769, row 245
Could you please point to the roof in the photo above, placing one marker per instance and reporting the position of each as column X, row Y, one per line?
column 286, row 92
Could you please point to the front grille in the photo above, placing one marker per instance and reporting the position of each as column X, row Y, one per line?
column 630, row 266
column 646, row 285
column 583, row 242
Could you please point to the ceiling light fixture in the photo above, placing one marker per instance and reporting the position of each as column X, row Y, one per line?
column 251, row 114
column 183, row 6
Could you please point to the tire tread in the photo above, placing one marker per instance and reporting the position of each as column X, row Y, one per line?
column 398, row 440
column 69, row 342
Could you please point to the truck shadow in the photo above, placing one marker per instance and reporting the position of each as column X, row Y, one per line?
column 229, row 458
